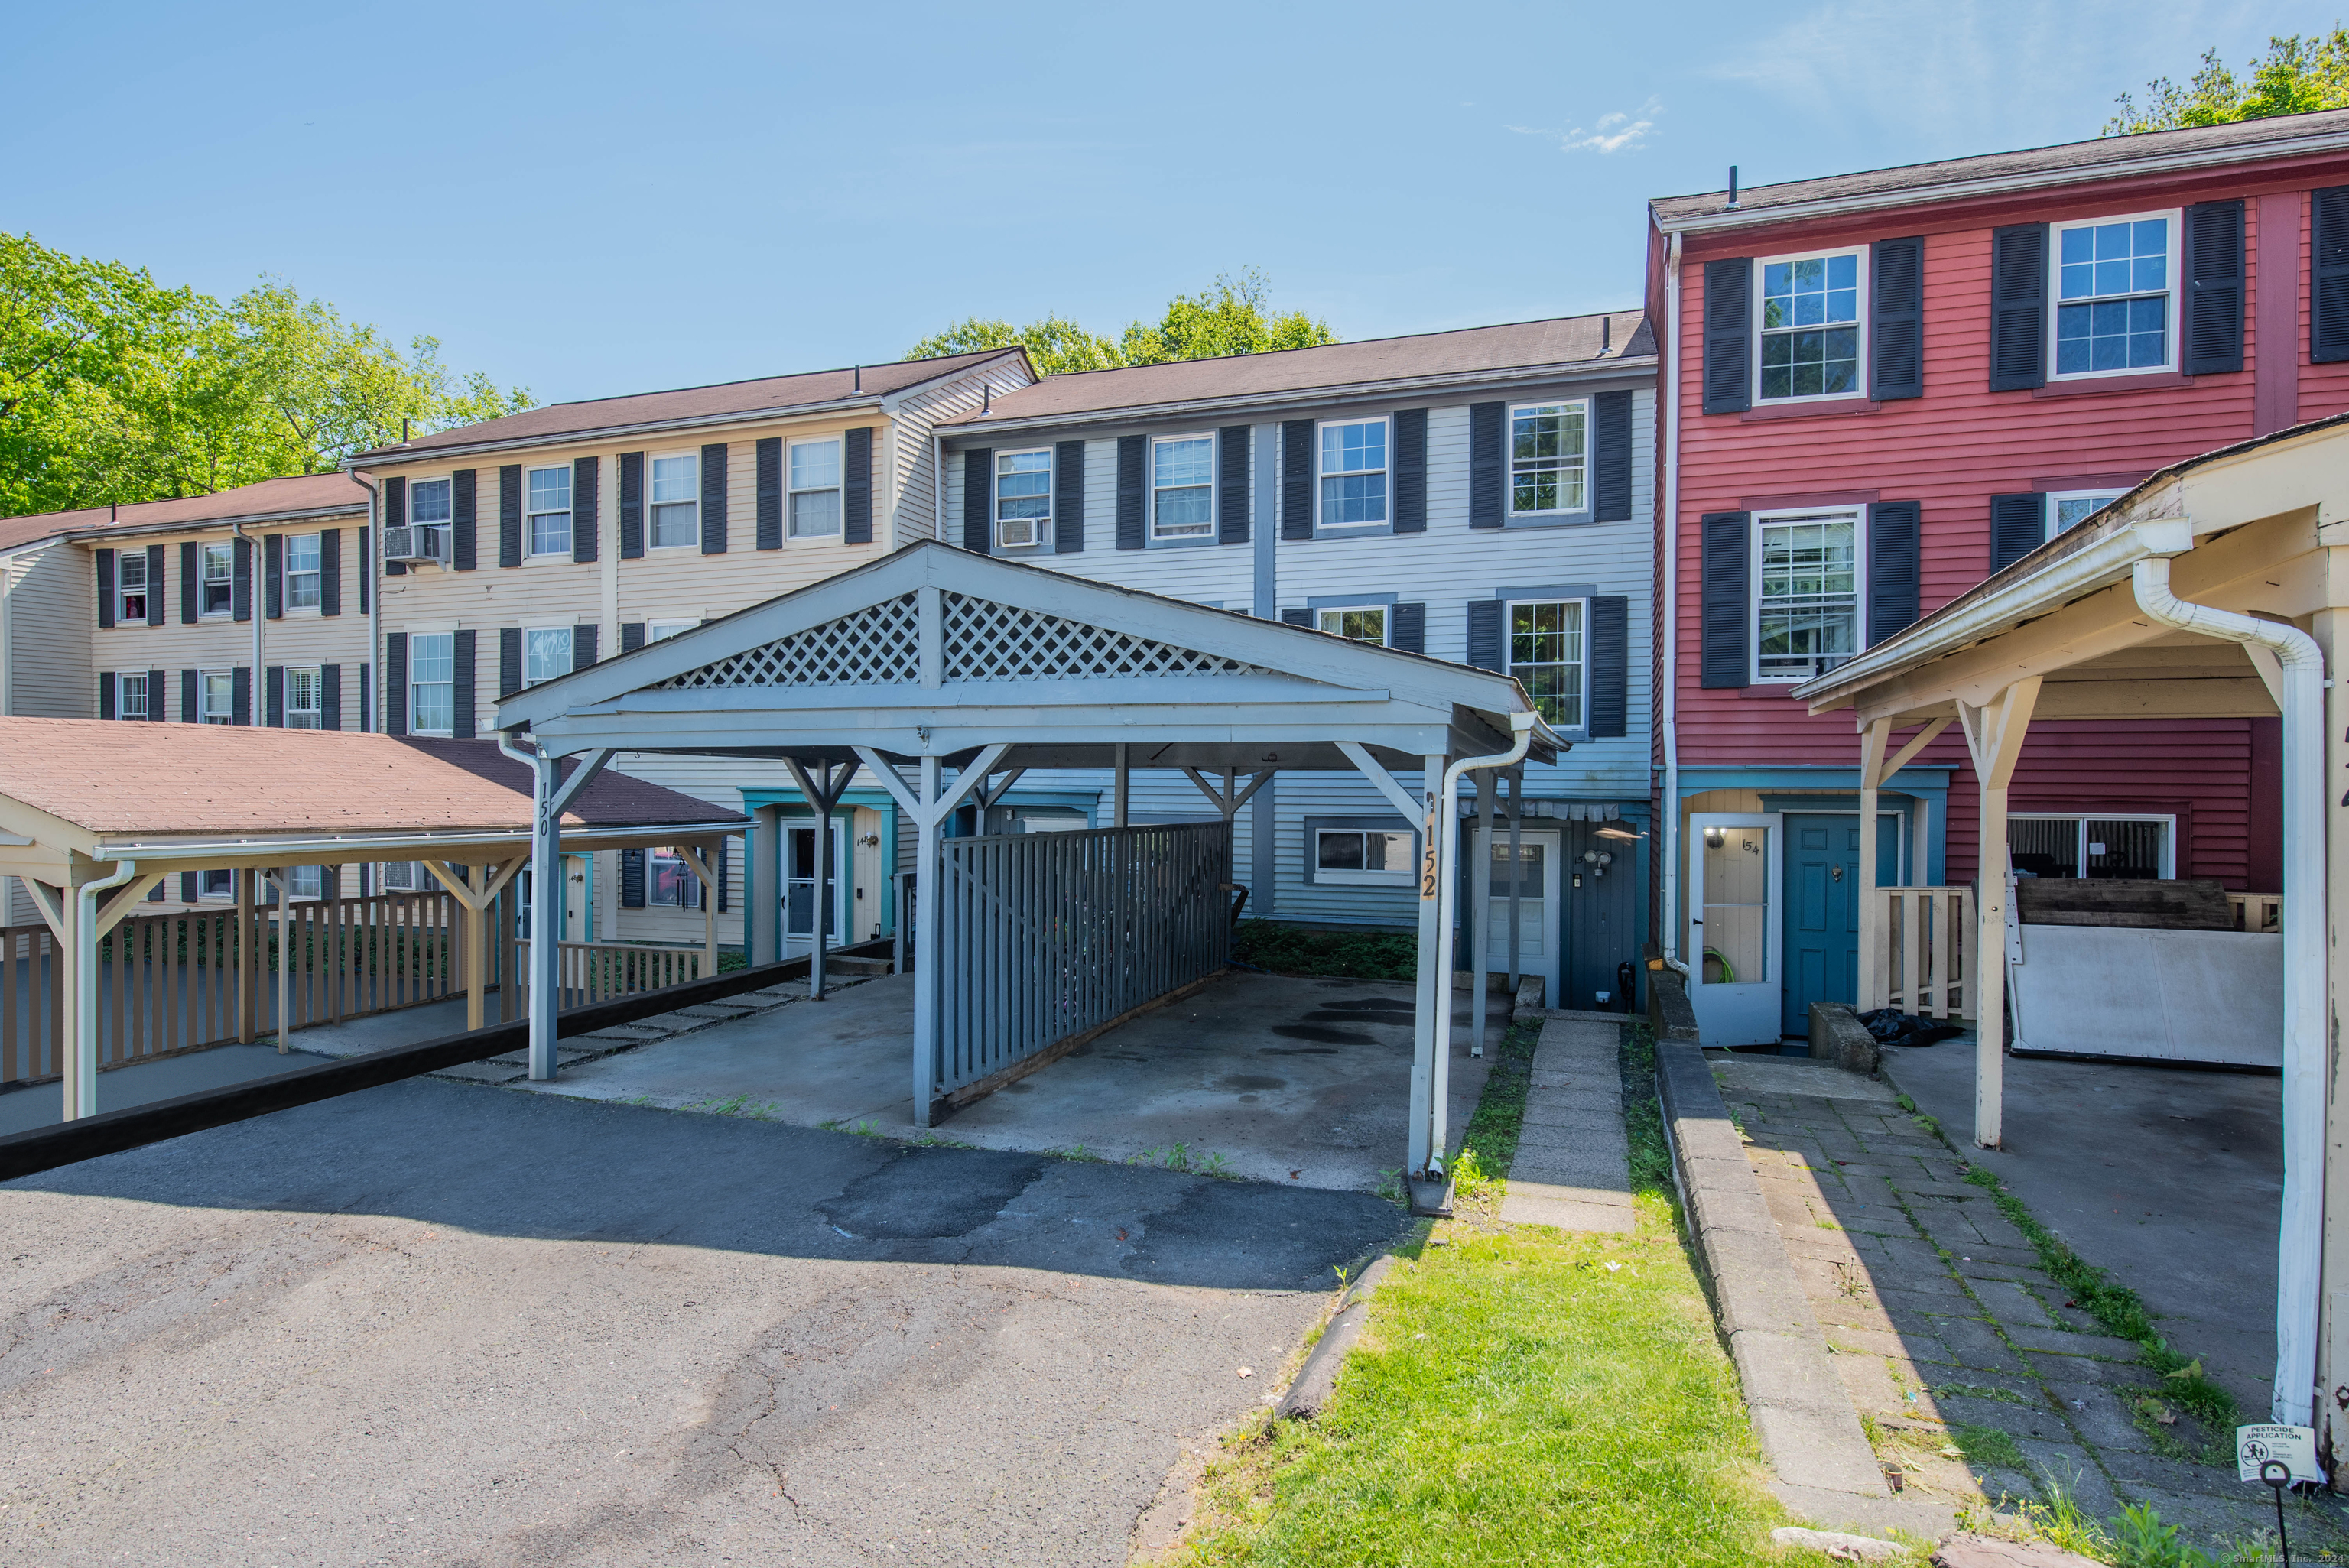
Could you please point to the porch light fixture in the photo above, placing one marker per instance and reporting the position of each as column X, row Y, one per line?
column 1715, row 837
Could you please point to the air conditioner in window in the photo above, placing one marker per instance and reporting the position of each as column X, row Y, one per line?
column 415, row 544
column 1016, row 533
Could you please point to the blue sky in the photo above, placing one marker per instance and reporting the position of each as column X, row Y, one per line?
column 590, row 200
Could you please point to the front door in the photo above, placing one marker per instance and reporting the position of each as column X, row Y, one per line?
column 1822, row 922
column 1734, row 879
column 799, row 886
column 1534, row 876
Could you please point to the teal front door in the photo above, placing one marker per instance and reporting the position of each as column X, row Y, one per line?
column 1822, row 903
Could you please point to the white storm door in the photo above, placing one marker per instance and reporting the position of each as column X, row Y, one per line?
column 1535, row 876
column 1735, row 871
column 799, row 886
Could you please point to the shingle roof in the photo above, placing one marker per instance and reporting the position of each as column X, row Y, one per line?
column 1562, row 340
column 154, row 779
column 269, row 498
column 2106, row 156
column 684, row 405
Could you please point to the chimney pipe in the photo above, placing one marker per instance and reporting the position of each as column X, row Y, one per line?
column 1733, row 185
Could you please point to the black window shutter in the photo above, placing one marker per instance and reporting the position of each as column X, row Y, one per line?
column 240, row 696
column 366, row 699
column 713, row 498
column 1133, row 486
column 2018, row 307
column 2213, row 258
column 1069, row 497
column 977, row 499
column 395, row 515
column 1408, row 629
column 510, row 515
column 632, row 879
column 461, row 688
column 856, row 486
column 586, row 508
column 188, row 583
column 464, row 520
column 1611, row 666
column 1410, row 470
column 1897, row 331
column 154, row 585
column 719, row 862
column 394, row 683
column 190, row 713
column 1894, row 528
column 273, row 575
column 159, row 696
column 330, row 697
column 1297, row 479
column 187, row 887
column 330, row 572
column 366, row 569
column 106, row 588
column 2018, row 525
column 1231, row 484
column 1729, row 336
column 583, row 645
column 240, row 578
column 1726, row 600
column 770, row 460
column 632, row 506
column 1297, row 617
column 275, row 686
column 632, row 635
column 1487, row 425
column 509, row 661
column 1485, row 634
column 2328, row 300
column 1610, row 458
column 106, row 694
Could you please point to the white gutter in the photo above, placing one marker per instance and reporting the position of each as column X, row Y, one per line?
column 83, row 1076
column 334, row 850
column 255, row 597
column 103, row 534
column 1667, row 634
column 2300, row 1243
column 372, row 585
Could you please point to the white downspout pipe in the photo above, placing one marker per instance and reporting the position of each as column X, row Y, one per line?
column 81, row 1076
column 257, row 600
column 2301, row 1240
column 1667, row 630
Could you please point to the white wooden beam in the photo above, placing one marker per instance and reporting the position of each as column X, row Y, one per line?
column 1381, row 779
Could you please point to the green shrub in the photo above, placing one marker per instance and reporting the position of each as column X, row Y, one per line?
column 1354, row 954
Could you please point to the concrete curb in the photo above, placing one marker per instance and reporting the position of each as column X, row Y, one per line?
column 1317, row 1378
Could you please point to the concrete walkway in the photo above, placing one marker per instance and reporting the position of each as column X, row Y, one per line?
column 1573, row 1165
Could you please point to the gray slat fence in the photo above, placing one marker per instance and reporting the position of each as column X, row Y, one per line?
column 1046, row 935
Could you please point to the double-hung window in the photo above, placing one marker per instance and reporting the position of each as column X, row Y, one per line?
column 1366, row 855
column 301, row 705
column 815, row 488
column 1548, row 459
column 2112, row 310
column 432, row 683
column 307, row 881
column 1810, row 327
column 2098, row 849
column 1807, row 603
column 302, row 571
column 404, row 876
column 2067, row 509
column 1023, row 497
column 131, row 587
column 1356, row 622
column 217, row 691
column 130, row 696
column 1183, row 486
column 655, row 630
column 215, row 884
column 668, row 884
column 1546, row 655
column 676, row 499
column 428, row 503
column 546, row 513
column 1354, row 474
column 547, row 654
column 216, row 576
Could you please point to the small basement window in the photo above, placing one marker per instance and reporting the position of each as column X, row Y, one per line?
column 2095, row 848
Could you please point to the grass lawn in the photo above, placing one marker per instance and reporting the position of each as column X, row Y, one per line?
column 1521, row 1396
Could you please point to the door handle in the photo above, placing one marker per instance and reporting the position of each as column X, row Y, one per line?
column 1837, row 871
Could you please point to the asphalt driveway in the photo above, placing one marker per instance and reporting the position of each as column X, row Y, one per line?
column 442, row 1323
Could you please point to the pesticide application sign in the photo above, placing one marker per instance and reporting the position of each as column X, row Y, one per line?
column 2293, row 1446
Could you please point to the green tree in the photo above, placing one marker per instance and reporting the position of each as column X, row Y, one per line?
column 1229, row 318
column 2297, row 75
column 1056, row 346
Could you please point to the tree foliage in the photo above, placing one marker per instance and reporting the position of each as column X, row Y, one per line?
column 1231, row 317
column 2297, row 75
column 114, row 388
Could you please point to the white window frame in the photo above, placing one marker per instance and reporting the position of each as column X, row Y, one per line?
column 312, row 877
column 316, row 575
column 837, row 490
column 207, row 553
column 411, row 875
column 569, row 632
column 416, row 492
column 414, row 686
column 122, row 589
column 569, row 513
column 205, row 686
column 684, row 882
column 1392, row 876
column 205, row 887
column 1040, row 527
column 1320, row 475
column 1859, row 307
column 652, row 514
column 2054, row 498
column 1386, row 620
column 2082, row 819
column 657, row 631
column 318, row 708
column 1581, row 666
column 1509, row 479
column 1858, row 516
column 2055, row 301
column 1207, row 532
column 145, row 694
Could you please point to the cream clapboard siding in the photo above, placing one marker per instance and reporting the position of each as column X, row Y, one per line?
column 912, row 458
column 45, row 670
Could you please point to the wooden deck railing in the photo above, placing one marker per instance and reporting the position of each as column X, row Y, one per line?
column 1926, row 936
column 2257, row 911
column 599, row 971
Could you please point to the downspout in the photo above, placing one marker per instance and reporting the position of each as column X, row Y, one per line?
column 256, row 597
column 85, row 1040
column 1668, row 613
column 375, row 601
column 2301, row 1240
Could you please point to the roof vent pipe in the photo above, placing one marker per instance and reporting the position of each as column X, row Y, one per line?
column 1733, row 186
column 1606, row 333
column 403, row 424
column 859, row 384
column 987, row 396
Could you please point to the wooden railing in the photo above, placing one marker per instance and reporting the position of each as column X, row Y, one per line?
column 599, row 971
column 1927, row 936
column 2257, row 911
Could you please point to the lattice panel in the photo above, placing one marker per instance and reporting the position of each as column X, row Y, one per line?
column 875, row 646
column 988, row 641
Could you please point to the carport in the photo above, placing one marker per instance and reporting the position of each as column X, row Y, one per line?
column 2216, row 588
column 947, row 675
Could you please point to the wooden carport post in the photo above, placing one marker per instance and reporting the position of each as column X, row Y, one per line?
column 824, row 792
column 1876, row 736
column 475, row 892
column 75, row 926
column 1995, row 734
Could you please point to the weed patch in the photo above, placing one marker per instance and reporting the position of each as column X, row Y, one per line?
column 1365, row 954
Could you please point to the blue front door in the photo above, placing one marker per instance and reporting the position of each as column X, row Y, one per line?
column 1822, row 922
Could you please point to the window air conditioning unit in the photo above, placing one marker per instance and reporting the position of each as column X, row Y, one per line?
column 1015, row 534
column 415, row 544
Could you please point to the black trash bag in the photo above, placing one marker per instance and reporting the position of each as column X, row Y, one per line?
column 1891, row 1026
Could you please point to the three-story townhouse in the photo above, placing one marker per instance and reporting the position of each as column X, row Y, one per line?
column 529, row 546
column 1480, row 495
column 1885, row 386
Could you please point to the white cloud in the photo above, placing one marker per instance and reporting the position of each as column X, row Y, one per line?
column 1616, row 132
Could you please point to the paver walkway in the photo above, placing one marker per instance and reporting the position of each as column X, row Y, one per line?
column 1968, row 1366
column 1573, row 1165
